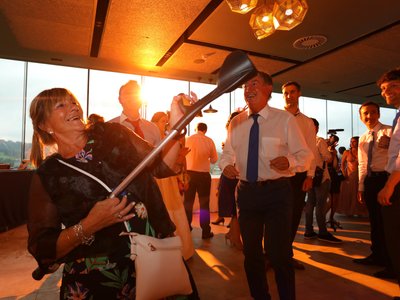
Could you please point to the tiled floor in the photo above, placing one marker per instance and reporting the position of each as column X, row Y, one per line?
column 218, row 268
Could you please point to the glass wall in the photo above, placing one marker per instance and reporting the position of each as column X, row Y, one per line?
column 98, row 92
column 12, row 74
column 104, row 90
column 43, row 76
column 339, row 116
column 316, row 108
column 157, row 94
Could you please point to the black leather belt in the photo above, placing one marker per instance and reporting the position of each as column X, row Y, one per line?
column 262, row 183
column 378, row 174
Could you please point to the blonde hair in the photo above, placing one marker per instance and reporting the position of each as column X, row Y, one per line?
column 158, row 115
column 40, row 110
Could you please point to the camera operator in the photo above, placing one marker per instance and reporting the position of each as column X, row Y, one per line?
column 333, row 168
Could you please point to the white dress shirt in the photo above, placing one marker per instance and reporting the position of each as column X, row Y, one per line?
column 322, row 155
column 150, row 130
column 202, row 152
column 307, row 128
column 394, row 150
column 279, row 136
column 379, row 154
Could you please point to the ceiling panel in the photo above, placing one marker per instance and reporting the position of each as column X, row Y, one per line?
column 170, row 38
column 62, row 26
column 142, row 31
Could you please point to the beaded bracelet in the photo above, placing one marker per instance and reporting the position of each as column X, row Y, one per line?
column 85, row 240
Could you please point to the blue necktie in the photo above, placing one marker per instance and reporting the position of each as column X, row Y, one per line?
column 395, row 120
column 252, row 156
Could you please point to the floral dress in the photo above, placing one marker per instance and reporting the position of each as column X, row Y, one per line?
column 61, row 195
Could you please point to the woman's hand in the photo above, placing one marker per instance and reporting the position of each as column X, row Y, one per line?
column 103, row 214
column 176, row 113
column 107, row 212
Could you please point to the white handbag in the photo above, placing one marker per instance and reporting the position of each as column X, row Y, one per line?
column 159, row 265
column 160, row 270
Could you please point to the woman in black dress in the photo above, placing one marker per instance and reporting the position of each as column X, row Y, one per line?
column 70, row 217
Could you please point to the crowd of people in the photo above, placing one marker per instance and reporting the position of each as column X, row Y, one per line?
column 274, row 168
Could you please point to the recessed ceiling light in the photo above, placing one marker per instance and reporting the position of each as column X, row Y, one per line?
column 310, row 42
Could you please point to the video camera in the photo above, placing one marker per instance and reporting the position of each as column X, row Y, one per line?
column 334, row 131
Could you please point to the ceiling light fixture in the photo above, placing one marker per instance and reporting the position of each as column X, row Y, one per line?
column 242, row 6
column 262, row 21
column 271, row 15
column 210, row 110
column 290, row 13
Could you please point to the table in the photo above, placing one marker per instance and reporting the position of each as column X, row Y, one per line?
column 14, row 187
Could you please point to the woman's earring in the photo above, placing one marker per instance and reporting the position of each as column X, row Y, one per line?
column 51, row 132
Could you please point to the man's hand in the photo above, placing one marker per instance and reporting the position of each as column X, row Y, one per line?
column 384, row 141
column 360, row 197
column 384, row 196
column 231, row 172
column 280, row 163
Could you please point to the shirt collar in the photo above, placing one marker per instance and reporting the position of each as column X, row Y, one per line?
column 376, row 127
column 124, row 117
column 263, row 112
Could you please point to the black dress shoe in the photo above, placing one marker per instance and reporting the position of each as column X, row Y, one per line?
column 207, row 235
column 368, row 261
column 219, row 221
column 396, row 298
column 385, row 274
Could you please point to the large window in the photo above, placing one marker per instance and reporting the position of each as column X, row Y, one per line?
column 104, row 90
column 157, row 94
column 340, row 117
column 98, row 91
column 387, row 115
column 11, row 111
column 42, row 76
column 316, row 108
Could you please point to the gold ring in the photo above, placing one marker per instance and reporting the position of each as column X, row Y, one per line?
column 119, row 216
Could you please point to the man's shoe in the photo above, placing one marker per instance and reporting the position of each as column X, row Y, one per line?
column 385, row 274
column 310, row 235
column 297, row 265
column 218, row 221
column 207, row 235
column 327, row 237
column 367, row 261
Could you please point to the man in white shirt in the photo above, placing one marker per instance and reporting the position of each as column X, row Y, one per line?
column 302, row 181
column 202, row 153
column 389, row 196
column 129, row 98
column 264, row 195
column 318, row 194
column 372, row 159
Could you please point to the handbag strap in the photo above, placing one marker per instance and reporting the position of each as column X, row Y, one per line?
column 87, row 174
column 108, row 189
